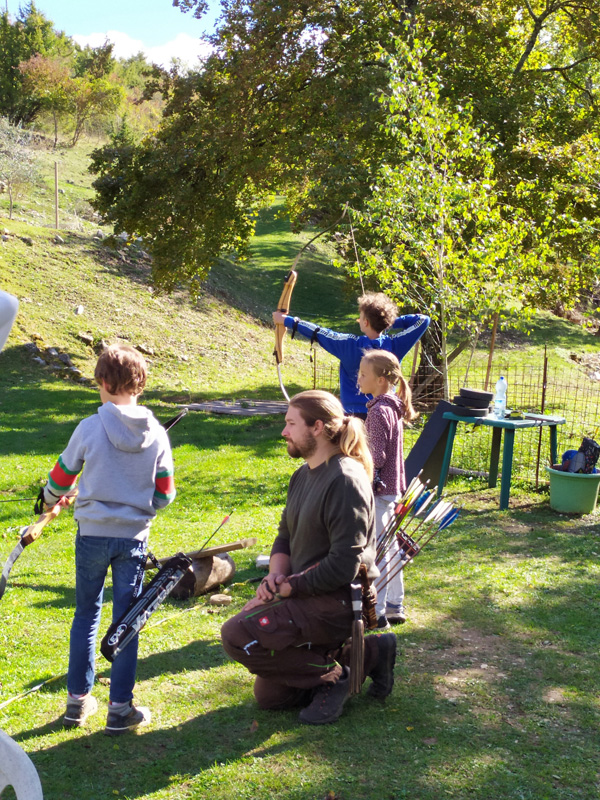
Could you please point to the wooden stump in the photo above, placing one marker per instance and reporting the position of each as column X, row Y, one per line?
column 205, row 575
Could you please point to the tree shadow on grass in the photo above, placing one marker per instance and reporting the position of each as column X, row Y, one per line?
column 485, row 741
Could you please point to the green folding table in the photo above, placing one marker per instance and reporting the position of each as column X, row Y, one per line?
column 509, row 426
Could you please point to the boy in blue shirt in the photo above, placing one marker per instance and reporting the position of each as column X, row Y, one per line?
column 377, row 314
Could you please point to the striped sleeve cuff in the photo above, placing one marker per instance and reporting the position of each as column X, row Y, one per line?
column 164, row 485
column 61, row 479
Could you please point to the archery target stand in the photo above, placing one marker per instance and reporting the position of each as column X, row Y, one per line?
column 242, row 408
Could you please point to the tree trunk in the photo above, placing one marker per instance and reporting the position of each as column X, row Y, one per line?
column 430, row 365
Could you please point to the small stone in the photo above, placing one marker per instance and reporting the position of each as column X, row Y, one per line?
column 79, row 310
column 123, row 236
column 64, row 357
column 39, row 360
column 262, row 562
column 145, row 349
column 5, row 237
column 62, row 191
column 58, row 239
column 99, row 235
column 52, row 352
column 27, row 240
column 220, row 600
column 87, row 338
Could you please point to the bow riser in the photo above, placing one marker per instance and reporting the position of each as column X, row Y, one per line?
column 284, row 307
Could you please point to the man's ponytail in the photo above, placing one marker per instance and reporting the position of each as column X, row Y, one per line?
column 347, row 433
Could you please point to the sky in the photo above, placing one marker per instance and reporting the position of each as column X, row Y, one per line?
column 153, row 26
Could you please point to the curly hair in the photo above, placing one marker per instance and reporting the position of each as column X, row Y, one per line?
column 122, row 368
column 380, row 312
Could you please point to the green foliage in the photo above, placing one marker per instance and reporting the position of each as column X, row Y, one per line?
column 440, row 234
column 95, row 62
column 289, row 103
column 29, row 35
column 18, row 162
column 531, row 71
column 285, row 102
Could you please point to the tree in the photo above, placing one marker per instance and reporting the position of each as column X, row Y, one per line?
column 95, row 62
column 439, row 232
column 18, row 164
column 288, row 103
column 92, row 97
column 47, row 81
column 30, row 34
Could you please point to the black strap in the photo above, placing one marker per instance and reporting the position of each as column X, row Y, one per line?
column 313, row 338
column 295, row 326
column 39, row 503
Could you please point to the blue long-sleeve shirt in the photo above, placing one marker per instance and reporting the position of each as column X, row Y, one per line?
column 350, row 350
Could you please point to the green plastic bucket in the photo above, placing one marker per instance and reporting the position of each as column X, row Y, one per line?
column 573, row 492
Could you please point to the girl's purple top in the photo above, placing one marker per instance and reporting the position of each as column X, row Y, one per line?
column 384, row 433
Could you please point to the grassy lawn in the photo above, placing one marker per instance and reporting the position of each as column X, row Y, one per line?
column 496, row 684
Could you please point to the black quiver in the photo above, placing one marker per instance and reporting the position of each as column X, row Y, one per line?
column 122, row 631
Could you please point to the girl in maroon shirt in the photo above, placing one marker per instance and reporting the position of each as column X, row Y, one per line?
column 379, row 375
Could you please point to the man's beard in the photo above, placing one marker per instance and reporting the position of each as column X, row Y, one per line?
column 303, row 449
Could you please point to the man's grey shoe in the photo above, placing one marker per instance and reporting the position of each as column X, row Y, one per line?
column 118, row 723
column 382, row 673
column 328, row 702
column 78, row 710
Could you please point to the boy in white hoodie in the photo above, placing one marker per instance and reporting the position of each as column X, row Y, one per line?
column 128, row 475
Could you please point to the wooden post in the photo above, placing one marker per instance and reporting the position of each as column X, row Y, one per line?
column 539, row 449
column 491, row 355
column 56, row 194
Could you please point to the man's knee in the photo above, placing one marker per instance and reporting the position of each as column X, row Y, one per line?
column 236, row 640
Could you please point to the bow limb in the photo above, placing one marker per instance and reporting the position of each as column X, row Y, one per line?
column 30, row 533
column 284, row 300
column 284, row 307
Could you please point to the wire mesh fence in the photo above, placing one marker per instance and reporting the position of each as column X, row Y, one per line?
column 569, row 392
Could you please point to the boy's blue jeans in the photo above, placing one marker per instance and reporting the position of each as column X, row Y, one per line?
column 93, row 557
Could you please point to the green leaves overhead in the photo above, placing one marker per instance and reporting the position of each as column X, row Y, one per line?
column 292, row 101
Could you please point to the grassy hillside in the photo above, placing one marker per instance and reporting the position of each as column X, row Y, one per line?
column 219, row 346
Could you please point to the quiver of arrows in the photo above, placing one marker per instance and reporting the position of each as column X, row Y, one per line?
column 122, row 631
column 416, row 519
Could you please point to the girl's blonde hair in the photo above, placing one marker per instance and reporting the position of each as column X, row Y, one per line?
column 386, row 365
column 347, row 433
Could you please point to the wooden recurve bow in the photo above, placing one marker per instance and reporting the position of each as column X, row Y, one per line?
column 286, row 296
column 30, row 533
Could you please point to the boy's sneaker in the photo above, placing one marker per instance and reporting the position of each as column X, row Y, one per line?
column 382, row 673
column 383, row 623
column 328, row 702
column 78, row 710
column 119, row 721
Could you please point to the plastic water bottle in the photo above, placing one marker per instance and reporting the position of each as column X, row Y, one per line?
column 500, row 398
